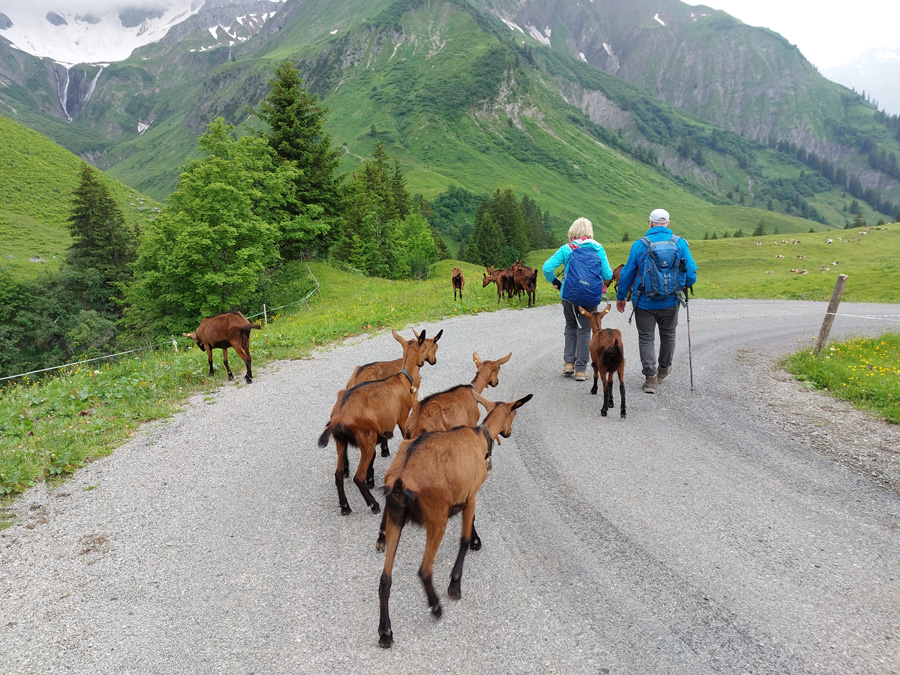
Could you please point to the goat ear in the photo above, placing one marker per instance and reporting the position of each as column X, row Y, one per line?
column 399, row 338
column 476, row 358
column 421, row 337
column 438, row 336
column 521, row 402
column 500, row 362
column 188, row 335
column 581, row 310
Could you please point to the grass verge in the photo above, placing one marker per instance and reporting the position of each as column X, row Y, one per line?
column 864, row 371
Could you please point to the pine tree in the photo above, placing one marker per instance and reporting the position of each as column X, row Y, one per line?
column 296, row 132
column 103, row 246
column 760, row 230
column 509, row 217
column 625, row 237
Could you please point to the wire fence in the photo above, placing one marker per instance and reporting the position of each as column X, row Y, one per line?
column 173, row 341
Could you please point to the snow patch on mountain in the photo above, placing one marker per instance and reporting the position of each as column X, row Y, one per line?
column 93, row 31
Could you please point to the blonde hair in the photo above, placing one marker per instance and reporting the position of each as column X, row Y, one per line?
column 581, row 228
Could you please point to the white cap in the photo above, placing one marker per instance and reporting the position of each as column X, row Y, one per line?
column 659, row 216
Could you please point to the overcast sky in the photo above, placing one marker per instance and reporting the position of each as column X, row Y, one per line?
column 829, row 33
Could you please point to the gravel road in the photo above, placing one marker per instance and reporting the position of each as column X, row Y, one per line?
column 706, row 533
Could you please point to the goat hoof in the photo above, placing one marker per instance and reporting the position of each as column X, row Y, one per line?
column 594, row 391
column 379, row 545
column 623, row 416
column 376, row 508
column 475, row 544
column 437, row 611
column 230, row 377
column 346, row 510
column 370, row 483
column 385, row 452
column 602, row 413
column 385, row 640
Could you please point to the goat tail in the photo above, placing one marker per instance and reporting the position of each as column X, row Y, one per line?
column 613, row 356
column 401, row 504
column 344, row 434
column 323, row 439
column 246, row 329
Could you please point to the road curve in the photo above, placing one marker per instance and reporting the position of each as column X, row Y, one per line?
column 692, row 537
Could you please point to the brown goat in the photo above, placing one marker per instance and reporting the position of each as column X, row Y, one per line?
column 493, row 276
column 607, row 357
column 525, row 280
column 432, row 478
column 615, row 280
column 230, row 329
column 364, row 414
column 458, row 281
column 455, row 406
column 377, row 370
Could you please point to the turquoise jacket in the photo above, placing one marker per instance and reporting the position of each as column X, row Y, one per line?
column 629, row 273
column 561, row 257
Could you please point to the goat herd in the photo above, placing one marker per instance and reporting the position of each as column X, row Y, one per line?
column 444, row 458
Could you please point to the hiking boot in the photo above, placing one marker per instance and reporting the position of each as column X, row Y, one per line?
column 569, row 369
column 580, row 376
column 663, row 372
column 650, row 384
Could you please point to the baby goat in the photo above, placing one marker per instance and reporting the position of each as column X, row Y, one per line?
column 433, row 477
column 607, row 357
column 364, row 414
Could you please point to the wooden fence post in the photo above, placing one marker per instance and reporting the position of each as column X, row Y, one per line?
column 829, row 315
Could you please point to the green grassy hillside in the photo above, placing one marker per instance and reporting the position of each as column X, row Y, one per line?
column 37, row 178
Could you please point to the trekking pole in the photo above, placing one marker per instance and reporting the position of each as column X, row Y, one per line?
column 687, row 309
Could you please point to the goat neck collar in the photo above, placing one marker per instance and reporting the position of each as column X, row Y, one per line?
column 408, row 375
column 487, row 437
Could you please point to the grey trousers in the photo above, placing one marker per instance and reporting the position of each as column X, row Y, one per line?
column 577, row 337
column 647, row 321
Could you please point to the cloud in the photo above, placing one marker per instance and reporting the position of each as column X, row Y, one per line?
column 99, row 7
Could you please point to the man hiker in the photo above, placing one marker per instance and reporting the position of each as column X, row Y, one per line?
column 659, row 267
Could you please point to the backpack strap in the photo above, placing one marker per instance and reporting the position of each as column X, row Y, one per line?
column 640, row 287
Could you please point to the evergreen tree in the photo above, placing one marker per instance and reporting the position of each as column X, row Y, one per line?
column 486, row 246
column 625, row 236
column 296, row 133
column 859, row 221
column 103, row 246
column 509, row 217
column 536, row 225
column 760, row 230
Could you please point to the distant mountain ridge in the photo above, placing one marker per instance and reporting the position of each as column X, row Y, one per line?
column 551, row 95
column 875, row 70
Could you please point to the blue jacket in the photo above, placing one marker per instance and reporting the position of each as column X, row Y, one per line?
column 629, row 272
column 561, row 257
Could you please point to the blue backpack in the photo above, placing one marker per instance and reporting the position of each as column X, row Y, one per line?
column 584, row 278
column 662, row 271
